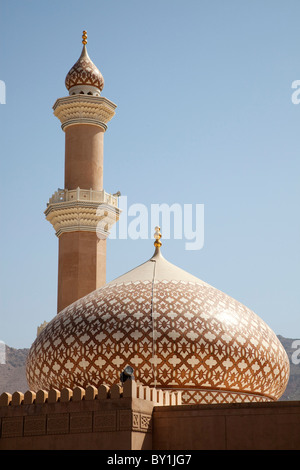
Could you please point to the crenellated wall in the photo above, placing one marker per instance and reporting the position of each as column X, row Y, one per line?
column 91, row 418
column 136, row 417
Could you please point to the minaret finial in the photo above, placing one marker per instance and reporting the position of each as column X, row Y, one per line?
column 84, row 37
column 157, row 236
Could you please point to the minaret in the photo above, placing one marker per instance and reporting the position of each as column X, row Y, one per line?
column 82, row 213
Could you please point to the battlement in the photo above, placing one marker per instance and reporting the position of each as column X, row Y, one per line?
column 131, row 389
column 116, row 417
column 135, row 417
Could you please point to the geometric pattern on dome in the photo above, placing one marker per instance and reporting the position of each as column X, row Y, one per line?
column 198, row 340
column 209, row 397
column 84, row 72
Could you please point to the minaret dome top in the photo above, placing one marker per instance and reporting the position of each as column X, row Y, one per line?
column 84, row 77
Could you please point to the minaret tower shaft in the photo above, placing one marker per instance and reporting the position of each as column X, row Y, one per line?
column 82, row 213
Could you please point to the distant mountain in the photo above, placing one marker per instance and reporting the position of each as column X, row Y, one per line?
column 13, row 375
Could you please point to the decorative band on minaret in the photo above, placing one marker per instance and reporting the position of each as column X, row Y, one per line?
column 82, row 213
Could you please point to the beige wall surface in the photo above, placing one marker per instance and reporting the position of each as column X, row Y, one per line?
column 84, row 157
column 138, row 418
column 119, row 424
column 81, row 266
column 253, row 426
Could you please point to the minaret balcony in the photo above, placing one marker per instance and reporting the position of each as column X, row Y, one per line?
column 83, row 210
column 65, row 195
column 84, row 109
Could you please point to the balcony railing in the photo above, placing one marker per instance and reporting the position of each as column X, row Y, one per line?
column 84, row 195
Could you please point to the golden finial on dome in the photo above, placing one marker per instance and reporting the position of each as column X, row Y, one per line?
column 84, row 37
column 157, row 236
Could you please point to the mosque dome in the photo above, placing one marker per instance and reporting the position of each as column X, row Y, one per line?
column 177, row 333
column 84, row 77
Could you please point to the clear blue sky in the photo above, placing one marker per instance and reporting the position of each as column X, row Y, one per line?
column 204, row 116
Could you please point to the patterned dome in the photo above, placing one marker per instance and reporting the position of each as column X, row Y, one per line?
column 84, row 77
column 176, row 331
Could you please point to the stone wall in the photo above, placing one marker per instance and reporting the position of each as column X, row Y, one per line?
column 104, row 418
column 238, row 426
column 140, row 418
